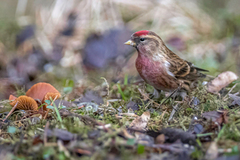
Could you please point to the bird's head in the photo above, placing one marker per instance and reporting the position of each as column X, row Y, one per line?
column 146, row 42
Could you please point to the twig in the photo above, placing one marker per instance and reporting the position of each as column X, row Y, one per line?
column 129, row 114
column 106, row 84
column 162, row 115
column 46, row 144
column 114, row 100
column 146, row 97
column 173, row 148
column 176, row 90
column 225, row 97
column 45, row 116
column 170, row 96
column 173, row 112
column 11, row 111
column 45, row 133
column 48, row 109
column 19, row 143
column 82, row 151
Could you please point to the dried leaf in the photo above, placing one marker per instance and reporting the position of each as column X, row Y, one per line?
column 83, row 152
column 212, row 151
column 140, row 122
column 144, row 139
column 25, row 103
column 160, row 139
column 133, row 105
column 62, row 148
column 216, row 117
column 37, row 140
column 236, row 99
column 198, row 128
column 126, row 134
column 221, row 81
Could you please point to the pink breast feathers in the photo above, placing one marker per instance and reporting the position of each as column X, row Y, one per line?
column 155, row 74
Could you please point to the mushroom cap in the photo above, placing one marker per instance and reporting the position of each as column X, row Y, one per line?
column 39, row 91
column 25, row 103
column 12, row 97
column 49, row 96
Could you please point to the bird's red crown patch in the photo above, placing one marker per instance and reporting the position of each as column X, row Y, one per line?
column 141, row 33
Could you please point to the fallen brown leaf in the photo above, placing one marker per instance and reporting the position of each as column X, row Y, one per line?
column 221, row 81
column 236, row 99
column 81, row 151
column 212, row 151
column 216, row 117
column 160, row 139
column 140, row 122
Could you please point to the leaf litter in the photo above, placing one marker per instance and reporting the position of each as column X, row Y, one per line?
column 111, row 124
column 130, row 132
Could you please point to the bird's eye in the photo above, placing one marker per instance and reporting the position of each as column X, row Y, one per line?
column 142, row 39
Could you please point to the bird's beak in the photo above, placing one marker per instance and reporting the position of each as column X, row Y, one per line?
column 130, row 42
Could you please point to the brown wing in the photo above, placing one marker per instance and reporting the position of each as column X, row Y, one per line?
column 186, row 73
column 195, row 72
column 185, row 70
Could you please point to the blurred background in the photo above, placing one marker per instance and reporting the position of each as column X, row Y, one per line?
column 75, row 42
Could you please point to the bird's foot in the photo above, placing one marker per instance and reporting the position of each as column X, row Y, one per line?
column 155, row 95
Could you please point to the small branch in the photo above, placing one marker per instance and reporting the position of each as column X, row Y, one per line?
column 45, row 133
column 225, row 97
column 146, row 97
column 107, row 85
column 173, row 112
column 45, row 116
column 11, row 111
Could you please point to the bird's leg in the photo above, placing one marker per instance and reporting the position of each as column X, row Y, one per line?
column 155, row 94
column 175, row 107
column 175, row 91
column 183, row 94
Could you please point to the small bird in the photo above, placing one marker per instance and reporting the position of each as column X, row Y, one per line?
column 160, row 67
